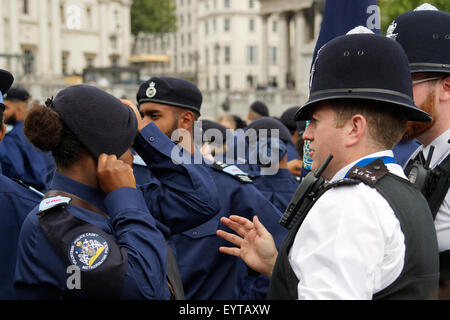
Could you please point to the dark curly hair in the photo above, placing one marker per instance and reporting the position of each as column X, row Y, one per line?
column 44, row 128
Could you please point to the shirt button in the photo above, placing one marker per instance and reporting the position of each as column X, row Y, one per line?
column 194, row 233
column 152, row 139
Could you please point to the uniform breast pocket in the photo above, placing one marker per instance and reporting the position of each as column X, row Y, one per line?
column 206, row 229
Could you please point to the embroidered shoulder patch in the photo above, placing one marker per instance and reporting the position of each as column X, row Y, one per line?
column 369, row 174
column 233, row 171
column 53, row 202
column 88, row 251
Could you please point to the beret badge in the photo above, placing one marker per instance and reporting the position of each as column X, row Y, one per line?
column 151, row 91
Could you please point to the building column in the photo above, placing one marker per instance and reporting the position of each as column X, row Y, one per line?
column 56, row 64
column 104, row 19
column 300, row 26
column 2, row 32
column 265, row 51
column 284, row 50
column 126, row 32
column 43, row 63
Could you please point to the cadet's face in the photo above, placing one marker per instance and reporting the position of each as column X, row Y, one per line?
column 325, row 139
column 162, row 115
column 9, row 113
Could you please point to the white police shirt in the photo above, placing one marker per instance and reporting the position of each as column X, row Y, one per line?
column 350, row 245
column 442, row 221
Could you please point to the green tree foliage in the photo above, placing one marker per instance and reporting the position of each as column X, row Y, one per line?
column 390, row 9
column 153, row 16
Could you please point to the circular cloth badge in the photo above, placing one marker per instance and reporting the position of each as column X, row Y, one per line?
column 88, row 251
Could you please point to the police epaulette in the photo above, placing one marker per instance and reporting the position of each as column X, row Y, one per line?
column 232, row 170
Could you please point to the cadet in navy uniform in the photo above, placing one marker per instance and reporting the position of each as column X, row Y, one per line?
column 295, row 145
column 19, row 158
column 16, row 202
column 274, row 180
column 94, row 218
column 424, row 34
column 366, row 233
column 173, row 104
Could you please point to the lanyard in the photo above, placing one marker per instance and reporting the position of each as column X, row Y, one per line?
column 366, row 161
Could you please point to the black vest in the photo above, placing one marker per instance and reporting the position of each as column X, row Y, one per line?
column 420, row 275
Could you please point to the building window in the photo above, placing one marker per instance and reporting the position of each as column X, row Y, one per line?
column 226, row 4
column 25, row 6
column 65, row 63
column 251, row 4
column 28, row 61
column 252, row 25
column 252, row 55
column 273, row 55
column 227, row 82
column 227, row 51
column 226, row 25
column 274, row 26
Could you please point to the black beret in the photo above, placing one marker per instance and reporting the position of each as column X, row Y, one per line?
column 260, row 108
column 240, row 124
column 363, row 66
column 425, row 37
column 288, row 118
column 271, row 123
column 6, row 80
column 174, row 92
column 17, row 94
column 99, row 120
column 208, row 124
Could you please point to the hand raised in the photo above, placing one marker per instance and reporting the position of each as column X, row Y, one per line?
column 135, row 109
column 113, row 174
column 255, row 245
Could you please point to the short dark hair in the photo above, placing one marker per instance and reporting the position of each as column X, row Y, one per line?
column 385, row 127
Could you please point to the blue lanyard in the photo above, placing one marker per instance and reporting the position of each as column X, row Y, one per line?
column 366, row 161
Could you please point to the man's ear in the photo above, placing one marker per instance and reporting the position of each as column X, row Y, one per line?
column 186, row 120
column 2, row 131
column 356, row 129
column 444, row 94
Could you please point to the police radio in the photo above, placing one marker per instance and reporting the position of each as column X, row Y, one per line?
column 420, row 172
column 304, row 196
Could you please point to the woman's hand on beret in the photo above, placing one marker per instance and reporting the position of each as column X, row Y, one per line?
column 113, row 174
column 133, row 107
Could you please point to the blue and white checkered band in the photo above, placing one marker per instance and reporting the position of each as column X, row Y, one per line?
column 88, row 251
column 1, row 97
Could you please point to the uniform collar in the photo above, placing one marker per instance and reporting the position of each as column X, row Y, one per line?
column 343, row 172
column 441, row 148
column 93, row 195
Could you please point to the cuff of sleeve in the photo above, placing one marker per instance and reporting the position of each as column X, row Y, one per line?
column 124, row 199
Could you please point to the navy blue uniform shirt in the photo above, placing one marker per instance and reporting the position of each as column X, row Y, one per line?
column 21, row 160
column 15, row 203
column 206, row 273
column 180, row 197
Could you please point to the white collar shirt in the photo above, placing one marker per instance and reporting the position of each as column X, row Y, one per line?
column 350, row 245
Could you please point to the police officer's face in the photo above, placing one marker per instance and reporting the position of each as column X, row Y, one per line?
column 161, row 115
column 325, row 139
column 425, row 98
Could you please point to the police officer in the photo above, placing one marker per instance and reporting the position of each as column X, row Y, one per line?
column 19, row 158
column 425, row 36
column 94, row 222
column 173, row 105
column 367, row 233
column 16, row 202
